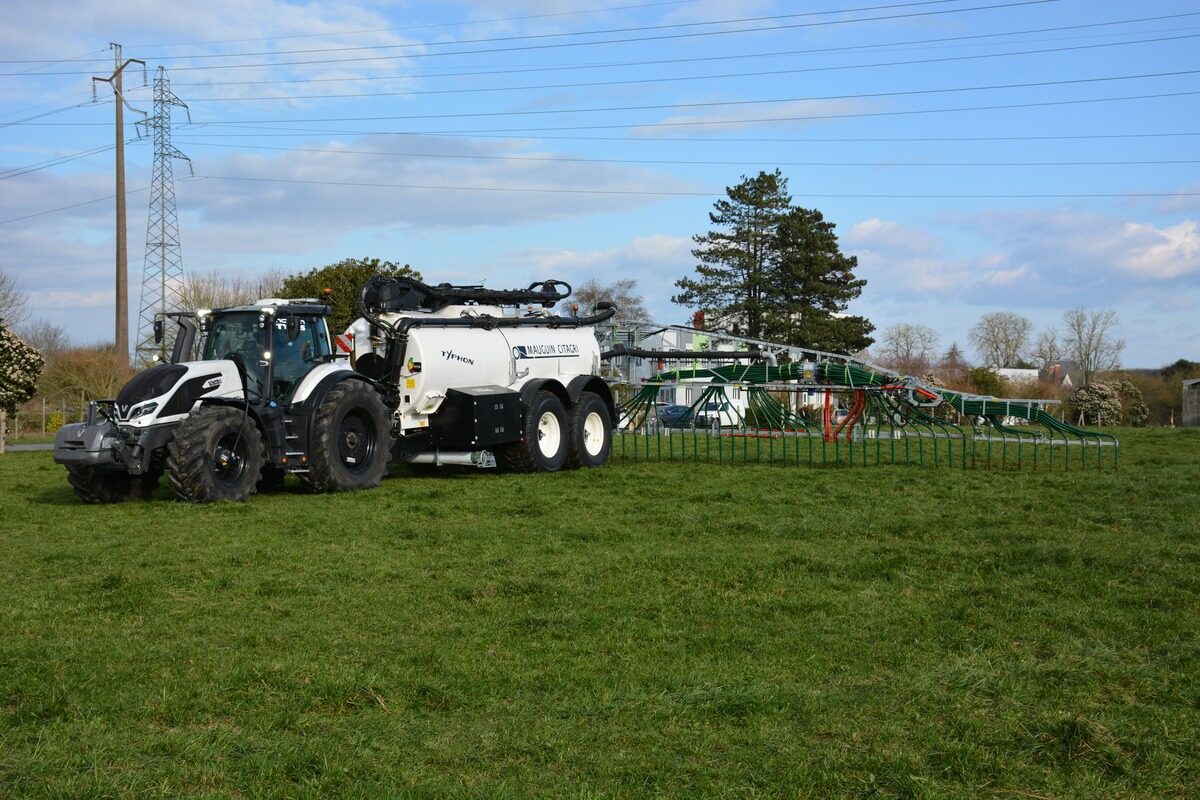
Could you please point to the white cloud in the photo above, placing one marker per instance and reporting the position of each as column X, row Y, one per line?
column 1092, row 256
column 878, row 234
column 1162, row 253
column 475, row 184
column 794, row 114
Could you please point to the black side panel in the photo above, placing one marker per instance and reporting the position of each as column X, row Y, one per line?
column 183, row 399
column 149, row 383
column 478, row 417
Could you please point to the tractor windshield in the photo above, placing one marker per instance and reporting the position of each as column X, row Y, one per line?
column 239, row 336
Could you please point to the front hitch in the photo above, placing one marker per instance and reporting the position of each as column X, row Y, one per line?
column 92, row 443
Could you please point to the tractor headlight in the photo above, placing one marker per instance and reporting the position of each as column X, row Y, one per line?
column 143, row 410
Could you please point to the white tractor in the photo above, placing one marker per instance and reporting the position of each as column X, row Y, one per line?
column 437, row 375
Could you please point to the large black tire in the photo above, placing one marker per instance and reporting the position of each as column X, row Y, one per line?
column 546, row 442
column 591, row 432
column 350, row 443
column 93, row 485
column 216, row 454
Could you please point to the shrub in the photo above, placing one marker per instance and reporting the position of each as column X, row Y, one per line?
column 1097, row 404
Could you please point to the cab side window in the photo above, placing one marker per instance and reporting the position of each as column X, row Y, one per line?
column 294, row 358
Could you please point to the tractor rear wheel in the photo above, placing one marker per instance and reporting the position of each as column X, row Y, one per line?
column 350, row 448
column 591, row 432
column 546, row 437
column 93, row 485
column 216, row 454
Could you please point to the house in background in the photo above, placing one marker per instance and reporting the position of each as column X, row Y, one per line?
column 1059, row 375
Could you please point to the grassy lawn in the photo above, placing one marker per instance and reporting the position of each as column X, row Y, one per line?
column 644, row 629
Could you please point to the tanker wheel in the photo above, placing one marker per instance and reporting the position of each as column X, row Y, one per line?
column 546, row 437
column 591, row 432
column 350, row 440
column 216, row 454
column 93, row 485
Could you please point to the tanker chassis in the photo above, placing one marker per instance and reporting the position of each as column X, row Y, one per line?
column 437, row 375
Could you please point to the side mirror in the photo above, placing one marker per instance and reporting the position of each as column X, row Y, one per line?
column 293, row 328
column 158, row 331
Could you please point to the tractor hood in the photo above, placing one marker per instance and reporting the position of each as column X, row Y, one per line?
column 168, row 391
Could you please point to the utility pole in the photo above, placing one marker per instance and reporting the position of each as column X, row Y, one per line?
column 162, row 272
column 114, row 80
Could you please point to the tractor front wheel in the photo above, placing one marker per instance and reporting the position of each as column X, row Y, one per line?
column 216, row 454
column 93, row 485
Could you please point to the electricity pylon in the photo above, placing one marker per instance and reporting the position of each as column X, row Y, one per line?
column 162, row 273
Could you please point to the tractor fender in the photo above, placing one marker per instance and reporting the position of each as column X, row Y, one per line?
column 318, row 381
column 322, row 387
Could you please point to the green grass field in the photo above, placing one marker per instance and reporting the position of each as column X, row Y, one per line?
column 640, row 630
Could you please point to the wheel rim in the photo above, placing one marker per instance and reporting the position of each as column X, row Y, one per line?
column 593, row 434
column 229, row 459
column 549, row 434
column 356, row 442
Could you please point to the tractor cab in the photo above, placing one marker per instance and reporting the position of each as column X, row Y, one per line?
column 274, row 344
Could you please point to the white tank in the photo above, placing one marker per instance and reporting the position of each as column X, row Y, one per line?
column 440, row 358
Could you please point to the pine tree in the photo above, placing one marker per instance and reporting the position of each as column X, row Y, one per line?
column 774, row 271
column 733, row 280
column 810, row 284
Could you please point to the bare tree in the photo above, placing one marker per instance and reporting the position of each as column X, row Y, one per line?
column 14, row 306
column 45, row 337
column 1046, row 350
column 1001, row 338
column 622, row 292
column 218, row 289
column 1089, row 340
column 909, row 348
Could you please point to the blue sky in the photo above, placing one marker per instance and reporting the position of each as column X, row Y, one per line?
column 976, row 155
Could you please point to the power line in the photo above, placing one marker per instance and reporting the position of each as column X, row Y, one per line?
column 724, row 103
column 666, row 125
column 32, row 71
column 695, row 59
column 543, row 36
column 649, row 193
column 50, row 113
column 810, row 117
column 105, row 198
column 55, row 101
column 560, row 45
column 674, row 162
column 428, row 25
column 16, row 172
column 756, row 140
column 680, row 79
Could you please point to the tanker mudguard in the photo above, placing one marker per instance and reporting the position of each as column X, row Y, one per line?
column 595, row 385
